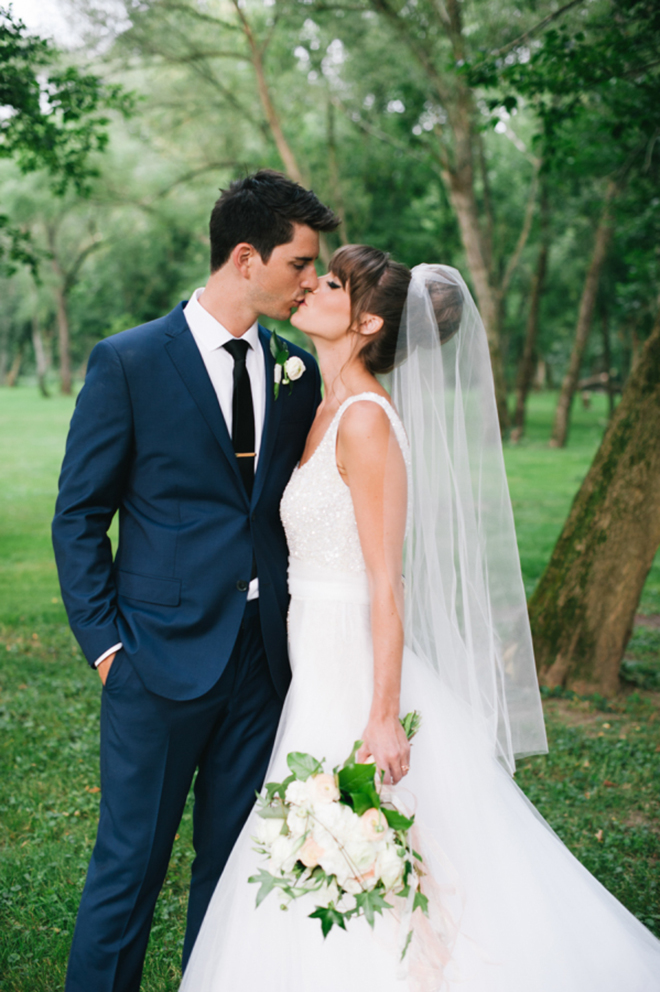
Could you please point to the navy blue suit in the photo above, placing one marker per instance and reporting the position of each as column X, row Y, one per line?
column 196, row 687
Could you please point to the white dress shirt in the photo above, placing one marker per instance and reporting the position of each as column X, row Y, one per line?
column 210, row 336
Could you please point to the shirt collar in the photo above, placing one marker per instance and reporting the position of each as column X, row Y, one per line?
column 209, row 332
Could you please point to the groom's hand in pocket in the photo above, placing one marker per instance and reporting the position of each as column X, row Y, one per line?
column 105, row 666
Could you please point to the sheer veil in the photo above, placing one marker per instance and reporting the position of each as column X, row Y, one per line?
column 466, row 613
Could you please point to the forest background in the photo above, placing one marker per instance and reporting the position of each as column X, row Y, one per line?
column 515, row 141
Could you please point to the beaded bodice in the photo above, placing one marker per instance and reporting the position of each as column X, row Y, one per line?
column 317, row 508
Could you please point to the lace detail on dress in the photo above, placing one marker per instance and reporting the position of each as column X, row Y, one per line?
column 317, row 509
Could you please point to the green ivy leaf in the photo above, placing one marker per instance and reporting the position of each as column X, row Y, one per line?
column 421, row 902
column 267, row 883
column 371, row 903
column 396, row 820
column 303, row 765
column 329, row 917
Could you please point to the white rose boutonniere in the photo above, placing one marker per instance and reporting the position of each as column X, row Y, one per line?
column 287, row 370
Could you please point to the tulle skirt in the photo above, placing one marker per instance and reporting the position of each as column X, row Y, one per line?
column 511, row 909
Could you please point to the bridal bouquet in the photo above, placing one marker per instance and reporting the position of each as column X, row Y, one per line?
column 339, row 838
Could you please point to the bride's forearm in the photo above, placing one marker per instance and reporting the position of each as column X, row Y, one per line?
column 387, row 636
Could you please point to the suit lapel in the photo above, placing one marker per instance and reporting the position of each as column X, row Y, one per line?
column 188, row 362
column 271, row 418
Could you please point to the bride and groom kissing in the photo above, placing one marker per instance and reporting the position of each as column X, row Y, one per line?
column 226, row 472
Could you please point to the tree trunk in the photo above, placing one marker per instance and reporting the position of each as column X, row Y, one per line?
column 14, row 371
column 607, row 355
column 462, row 195
column 602, row 241
column 40, row 357
column 583, row 609
column 286, row 153
column 63, row 341
column 528, row 361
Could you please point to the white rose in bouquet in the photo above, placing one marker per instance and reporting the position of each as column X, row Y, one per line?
column 389, row 867
column 298, row 821
column 299, row 794
column 283, row 854
column 268, row 830
column 327, row 894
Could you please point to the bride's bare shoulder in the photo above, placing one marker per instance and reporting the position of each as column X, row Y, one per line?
column 364, row 429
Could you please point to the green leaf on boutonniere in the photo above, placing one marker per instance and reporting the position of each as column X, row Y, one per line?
column 278, row 348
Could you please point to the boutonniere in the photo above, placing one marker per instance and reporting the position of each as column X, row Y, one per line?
column 287, row 370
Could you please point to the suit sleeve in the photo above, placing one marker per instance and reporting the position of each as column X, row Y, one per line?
column 96, row 465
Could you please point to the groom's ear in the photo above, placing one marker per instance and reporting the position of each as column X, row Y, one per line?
column 243, row 257
column 370, row 323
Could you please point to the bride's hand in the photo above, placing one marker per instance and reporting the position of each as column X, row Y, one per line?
column 385, row 740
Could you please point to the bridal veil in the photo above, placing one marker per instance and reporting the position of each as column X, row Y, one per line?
column 466, row 612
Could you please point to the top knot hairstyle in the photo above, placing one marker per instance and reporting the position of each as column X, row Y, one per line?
column 261, row 210
column 379, row 286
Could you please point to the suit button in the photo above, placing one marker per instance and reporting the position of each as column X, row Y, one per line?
column 242, row 585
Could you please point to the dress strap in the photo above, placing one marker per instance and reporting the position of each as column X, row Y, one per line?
column 395, row 421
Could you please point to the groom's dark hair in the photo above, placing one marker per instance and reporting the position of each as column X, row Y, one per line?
column 262, row 209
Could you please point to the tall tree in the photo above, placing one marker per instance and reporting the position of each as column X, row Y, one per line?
column 58, row 119
column 595, row 91
column 583, row 608
column 431, row 37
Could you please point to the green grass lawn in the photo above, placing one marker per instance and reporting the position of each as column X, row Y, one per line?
column 598, row 787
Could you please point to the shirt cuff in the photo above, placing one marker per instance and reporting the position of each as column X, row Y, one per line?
column 106, row 654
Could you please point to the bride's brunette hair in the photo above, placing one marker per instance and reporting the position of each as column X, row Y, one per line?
column 378, row 285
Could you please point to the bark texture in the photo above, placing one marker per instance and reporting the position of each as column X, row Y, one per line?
column 528, row 360
column 40, row 356
column 64, row 341
column 583, row 609
column 602, row 242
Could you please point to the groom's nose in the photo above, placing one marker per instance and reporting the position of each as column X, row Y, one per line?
column 310, row 279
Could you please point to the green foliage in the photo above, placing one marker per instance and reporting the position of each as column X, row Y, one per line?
column 56, row 120
column 303, row 765
column 329, row 918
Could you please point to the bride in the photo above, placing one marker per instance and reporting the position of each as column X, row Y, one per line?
column 511, row 910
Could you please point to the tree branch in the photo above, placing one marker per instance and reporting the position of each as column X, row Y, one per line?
column 524, row 233
column 537, row 27
column 376, row 132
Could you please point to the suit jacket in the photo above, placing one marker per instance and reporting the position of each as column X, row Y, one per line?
column 148, row 439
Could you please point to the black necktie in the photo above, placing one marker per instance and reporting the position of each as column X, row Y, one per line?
column 242, row 412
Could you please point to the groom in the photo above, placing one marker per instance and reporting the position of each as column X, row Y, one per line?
column 177, row 429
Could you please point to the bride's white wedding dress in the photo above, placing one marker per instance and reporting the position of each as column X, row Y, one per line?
column 512, row 909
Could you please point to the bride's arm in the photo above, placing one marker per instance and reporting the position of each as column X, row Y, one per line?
column 370, row 462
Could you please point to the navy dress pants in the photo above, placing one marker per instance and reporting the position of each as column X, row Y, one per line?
column 150, row 749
